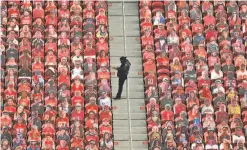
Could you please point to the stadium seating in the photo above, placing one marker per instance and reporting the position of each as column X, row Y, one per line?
column 194, row 70
column 55, row 80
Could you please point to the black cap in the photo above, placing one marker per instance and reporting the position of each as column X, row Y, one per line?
column 123, row 58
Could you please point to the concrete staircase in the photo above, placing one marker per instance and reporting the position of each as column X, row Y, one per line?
column 129, row 114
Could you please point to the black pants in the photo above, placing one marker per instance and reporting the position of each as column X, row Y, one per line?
column 120, row 86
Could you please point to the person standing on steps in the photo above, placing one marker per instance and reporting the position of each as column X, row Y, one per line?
column 122, row 74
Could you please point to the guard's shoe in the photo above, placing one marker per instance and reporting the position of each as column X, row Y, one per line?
column 117, row 98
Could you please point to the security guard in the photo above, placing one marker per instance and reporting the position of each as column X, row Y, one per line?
column 122, row 74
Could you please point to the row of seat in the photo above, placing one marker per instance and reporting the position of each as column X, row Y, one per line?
column 15, row 103
column 56, row 81
column 194, row 66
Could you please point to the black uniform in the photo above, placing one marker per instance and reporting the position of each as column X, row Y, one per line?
column 122, row 74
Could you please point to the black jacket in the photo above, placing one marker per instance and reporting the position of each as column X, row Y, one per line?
column 123, row 70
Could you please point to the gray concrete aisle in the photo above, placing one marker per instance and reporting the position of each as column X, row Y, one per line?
column 129, row 117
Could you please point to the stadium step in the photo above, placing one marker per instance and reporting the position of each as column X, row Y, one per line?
column 136, row 112
column 129, row 114
column 125, row 145
column 114, row 9
column 130, row 8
